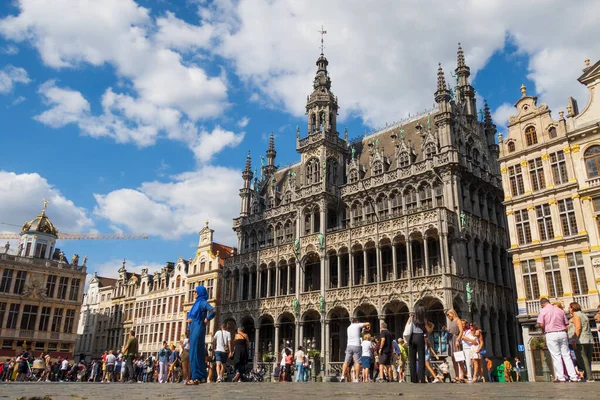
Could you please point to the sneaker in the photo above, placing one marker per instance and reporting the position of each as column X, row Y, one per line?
column 343, row 379
column 436, row 381
column 356, row 380
column 575, row 380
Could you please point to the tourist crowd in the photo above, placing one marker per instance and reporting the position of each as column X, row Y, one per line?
column 368, row 357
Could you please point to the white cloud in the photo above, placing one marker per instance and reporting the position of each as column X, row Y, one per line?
column 176, row 208
column 10, row 50
column 66, row 105
column 242, row 123
column 21, row 200
column 9, row 75
column 501, row 114
column 169, row 94
column 215, row 141
column 19, row 100
column 384, row 56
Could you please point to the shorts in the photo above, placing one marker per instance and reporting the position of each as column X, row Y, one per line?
column 110, row 368
column 353, row 353
column 385, row 359
column 221, row 357
column 365, row 361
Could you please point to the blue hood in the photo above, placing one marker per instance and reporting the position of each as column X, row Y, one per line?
column 201, row 292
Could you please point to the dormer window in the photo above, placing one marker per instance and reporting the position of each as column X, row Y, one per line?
column 403, row 160
column 530, row 136
column 430, row 150
column 511, row 147
column 287, row 198
column 552, row 132
column 378, row 168
column 353, row 176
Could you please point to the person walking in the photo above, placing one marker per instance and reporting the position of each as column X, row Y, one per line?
column 455, row 332
column 185, row 357
column 366, row 357
column 416, row 344
column 130, row 351
column 386, row 349
column 353, row 348
column 582, row 340
column 223, row 350
column 467, row 342
column 163, row 362
column 240, row 353
column 553, row 322
column 518, row 368
column 110, row 366
column 476, row 353
column 299, row 358
column 198, row 318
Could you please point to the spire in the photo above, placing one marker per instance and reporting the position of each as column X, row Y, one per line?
column 487, row 117
column 247, row 173
column 460, row 57
column 271, row 142
column 441, row 79
column 271, row 153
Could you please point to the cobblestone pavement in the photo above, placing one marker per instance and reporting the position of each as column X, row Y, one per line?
column 304, row 391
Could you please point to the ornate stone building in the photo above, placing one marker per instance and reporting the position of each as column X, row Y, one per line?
column 551, row 175
column 369, row 227
column 40, row 293
column 155, row 304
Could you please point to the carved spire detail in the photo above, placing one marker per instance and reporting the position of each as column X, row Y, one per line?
column 441, row 79
column 487, row 118
column 460, row 57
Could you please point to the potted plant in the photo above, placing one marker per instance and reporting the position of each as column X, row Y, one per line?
column 538, row 343
column 268, row 357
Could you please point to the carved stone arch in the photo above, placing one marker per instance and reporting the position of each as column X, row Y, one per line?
column 311, row 248
column 357, row 246
column 342, row 250
column 370, row 244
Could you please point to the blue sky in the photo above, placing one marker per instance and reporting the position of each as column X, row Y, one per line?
column 137, row 116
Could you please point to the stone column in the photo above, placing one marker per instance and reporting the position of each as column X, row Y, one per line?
column 351, row 267
column 339, row 271
column 426, row 255
column 258, row 282
column 277, row 279
column 326, row 354
column 365, row 267
column 251, row 286
column 287, row 287
column 409, row 267
column 240, row 284
column 268, row 282
column 378, row 260
column 300, row 333
column 276, row 345
column 394, row 263
column 256, row 337
column 444, row 257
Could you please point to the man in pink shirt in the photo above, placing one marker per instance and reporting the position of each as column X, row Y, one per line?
column 554, row 323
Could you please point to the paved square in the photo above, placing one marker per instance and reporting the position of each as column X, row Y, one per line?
column 251, row 391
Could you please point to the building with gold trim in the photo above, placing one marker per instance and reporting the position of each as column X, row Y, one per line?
column 40, row 293
column 551, row 176
column 155, row 304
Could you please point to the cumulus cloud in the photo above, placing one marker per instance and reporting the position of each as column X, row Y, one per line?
column 168, row 94
column 383, row 57
column 501, row 114
column 66, row 105
column 22, row 196
column 9, row 76
column 210, row 143
column 242, row 123
column 179, row 207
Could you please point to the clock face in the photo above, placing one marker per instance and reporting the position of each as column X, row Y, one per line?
column 204, row 240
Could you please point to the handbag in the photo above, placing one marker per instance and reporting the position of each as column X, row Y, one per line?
column 459, row 356
column 407, row 334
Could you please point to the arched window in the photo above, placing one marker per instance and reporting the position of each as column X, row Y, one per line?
column 332, row 171
column 313, row 174
column 261, row 239
column 403, row 160
column 430, row 150
column 410, row 199
column 552, row 132
column 279, row 234
column 377, row 168
column 530, row 136
column 255, row 208
column 425, row 196
column 270, row 203
column 287, row 198
column 369, row 211
column 396, row 202
column 270, row 236
column 382, row 206
column 356, row 213
column 308, row 173
column 353, row 176
column 592, row 161
column 438, row 188
column 178, row 281
column 511, row 147
column 316, row 171
column 475, row 156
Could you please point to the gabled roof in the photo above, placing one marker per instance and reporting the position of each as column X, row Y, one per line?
column 590, row 73
column 104, row 282
column 224, row 252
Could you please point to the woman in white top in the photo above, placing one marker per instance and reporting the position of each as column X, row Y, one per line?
column 366, row 355
column 475, row 352
column 468, row 341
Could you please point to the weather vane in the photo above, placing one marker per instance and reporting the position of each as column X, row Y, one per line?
column 322, row 32
column 46, row 202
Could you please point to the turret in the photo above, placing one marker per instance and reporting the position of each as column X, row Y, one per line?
column 466, row 91
column 270, row 169
column 443, row 120
column 247, row 176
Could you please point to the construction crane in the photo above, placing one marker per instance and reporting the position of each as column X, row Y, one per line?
column 81, row 236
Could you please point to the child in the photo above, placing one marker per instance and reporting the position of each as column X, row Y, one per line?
column 289, row 359
column 507, row 370
column 445, row 372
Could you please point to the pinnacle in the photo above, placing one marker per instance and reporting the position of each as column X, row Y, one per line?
column 441, row 80
column 460, row 57
column 272, row 142
column 248, row 162
column 487, row 114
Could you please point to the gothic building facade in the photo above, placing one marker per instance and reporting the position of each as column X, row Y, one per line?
column 369, row 227
column 551, row 174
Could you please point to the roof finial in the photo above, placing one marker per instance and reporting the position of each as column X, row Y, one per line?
column 441, row 79
column 46, row 202
column 587, row 62
column 523, row 90
column 460, row 57
column 272, row 142
column 248, row 162
column 322, row 32
column 206, row 225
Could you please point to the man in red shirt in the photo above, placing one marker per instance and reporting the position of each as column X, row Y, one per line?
column 554, row 323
